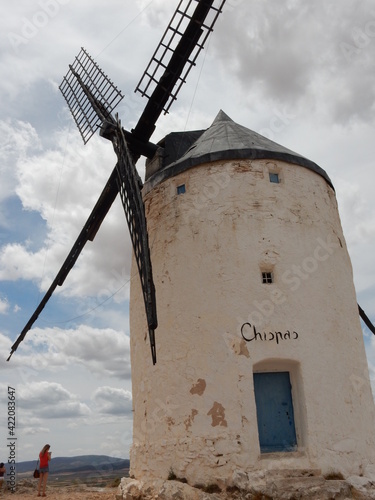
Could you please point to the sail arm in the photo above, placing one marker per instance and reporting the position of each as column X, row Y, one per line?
column 171, row 61
column 88, row 232
column 366, row 319
column 129, row 184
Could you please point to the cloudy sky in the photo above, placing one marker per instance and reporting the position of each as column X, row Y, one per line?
column 299, row 72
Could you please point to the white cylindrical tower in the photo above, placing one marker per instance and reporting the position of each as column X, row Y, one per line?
column 260, row 355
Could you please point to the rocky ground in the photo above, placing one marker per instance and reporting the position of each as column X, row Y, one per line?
column 270, row 485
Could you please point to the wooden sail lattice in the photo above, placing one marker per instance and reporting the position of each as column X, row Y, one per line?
column 166, row 49
column 100, row 87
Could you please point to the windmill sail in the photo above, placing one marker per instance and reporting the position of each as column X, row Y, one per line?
column 88, row 233
column 366, row 319
column 124, row 179
column 174, row 57
column 84, row 84
column 131, row 198
column 92, row 97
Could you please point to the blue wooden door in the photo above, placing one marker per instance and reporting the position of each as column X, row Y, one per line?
column 273, row 398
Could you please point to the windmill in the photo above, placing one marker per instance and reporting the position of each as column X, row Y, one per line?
column 204, row 410
column 92, row 97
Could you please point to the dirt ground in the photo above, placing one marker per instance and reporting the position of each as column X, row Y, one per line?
column 27, row 490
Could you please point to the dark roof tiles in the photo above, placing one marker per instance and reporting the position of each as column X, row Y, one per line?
column 226, row 140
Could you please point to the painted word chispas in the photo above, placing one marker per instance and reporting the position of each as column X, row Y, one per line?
column 250, row 333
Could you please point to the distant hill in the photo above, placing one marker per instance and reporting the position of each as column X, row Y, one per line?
column 82, row 463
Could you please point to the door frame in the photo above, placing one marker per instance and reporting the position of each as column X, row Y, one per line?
column 297, row 393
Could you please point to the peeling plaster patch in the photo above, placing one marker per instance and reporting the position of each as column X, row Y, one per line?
column 217, row 413
column 238, row 347
column 170, row 422
column 243, row 349
column 190, row 419
column 199, row 387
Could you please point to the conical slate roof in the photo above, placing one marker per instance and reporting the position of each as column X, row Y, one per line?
column 226, row 140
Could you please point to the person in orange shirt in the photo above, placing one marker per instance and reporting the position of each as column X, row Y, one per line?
column 44, row 458
column 2, row 472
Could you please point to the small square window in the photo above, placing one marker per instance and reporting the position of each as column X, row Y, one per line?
column 181, row 189
column 267, row 277
column 274, row 178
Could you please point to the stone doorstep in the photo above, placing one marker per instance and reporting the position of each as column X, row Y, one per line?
column 289, row 473
column 308, row 485
column 295, row 483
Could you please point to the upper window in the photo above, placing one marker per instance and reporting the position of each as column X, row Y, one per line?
column 274, row 178
column 267, row 277
column 181, row 189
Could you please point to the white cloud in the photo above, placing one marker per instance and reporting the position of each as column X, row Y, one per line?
column 5, row 344
column 35, row 429
column 4, row 306
column 63, row 185
column 294, row 54
column 18, row 139
column 113, row 401
column 101, row 351
column 357, row 213
column 16, row 262
column 50, row 400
